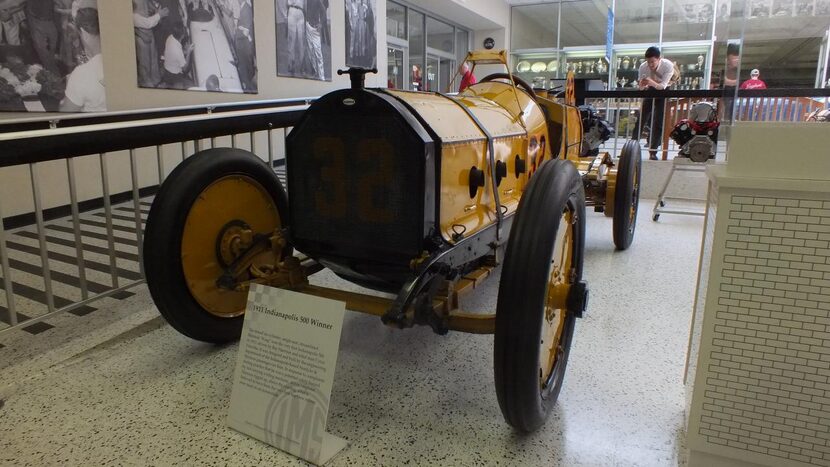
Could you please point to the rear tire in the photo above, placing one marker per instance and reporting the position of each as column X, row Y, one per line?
column 627, row 194
column 166, row 268
column 533, row 338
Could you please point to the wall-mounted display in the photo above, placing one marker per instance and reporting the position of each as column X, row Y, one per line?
column 50, row 56
column 198, row 45
column 690, row 60
column 783, row 8
column 543, row 70
column 361, row 39
column 690, row 12
column 304, row 39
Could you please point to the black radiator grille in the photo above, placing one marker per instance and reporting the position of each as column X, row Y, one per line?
column 356, row 188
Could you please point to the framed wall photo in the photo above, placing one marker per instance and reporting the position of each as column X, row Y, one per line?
column 361, row 38
column 304, row 39
column 198, row 45
column 50, row 56
column 759, row 8
column 782, row 8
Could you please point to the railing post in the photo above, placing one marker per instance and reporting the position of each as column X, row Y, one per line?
column 7, row 272
column 160, row 161
column 139, row 226
column 41, row 237
column 76, row 227
column 271, row 145
column 105, row 187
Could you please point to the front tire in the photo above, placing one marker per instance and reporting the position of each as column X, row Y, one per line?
column 627, row 194
column 206, row 198
column 534, row 318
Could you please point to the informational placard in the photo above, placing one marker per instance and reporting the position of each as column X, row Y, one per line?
column 285, row 370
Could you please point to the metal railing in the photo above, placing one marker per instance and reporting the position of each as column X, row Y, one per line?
column 126, row 155
column 151, row 142
column 624, row 110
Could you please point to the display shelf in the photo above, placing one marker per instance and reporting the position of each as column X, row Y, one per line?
column 542, row 68
column 538, row 69
column 691, row 59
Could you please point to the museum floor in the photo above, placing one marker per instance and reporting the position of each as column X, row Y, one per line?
column 120, row 387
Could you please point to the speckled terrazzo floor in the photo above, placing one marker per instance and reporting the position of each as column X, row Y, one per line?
column 120, row 387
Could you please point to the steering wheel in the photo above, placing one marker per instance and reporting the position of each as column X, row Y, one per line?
column 519, row 82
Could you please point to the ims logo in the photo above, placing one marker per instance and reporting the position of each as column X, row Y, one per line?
column 295, row 420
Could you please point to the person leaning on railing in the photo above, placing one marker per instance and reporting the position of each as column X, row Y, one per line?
column 655, row 73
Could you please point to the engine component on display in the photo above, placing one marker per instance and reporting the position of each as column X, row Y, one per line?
column 700, row 148
column 697, row 135
column 819, row 115
column 596, row 130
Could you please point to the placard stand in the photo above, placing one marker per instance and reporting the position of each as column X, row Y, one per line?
column 285, row 371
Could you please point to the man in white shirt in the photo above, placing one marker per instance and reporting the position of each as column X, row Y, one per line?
column 85, row 90
column 654, row 74
column 177, row 59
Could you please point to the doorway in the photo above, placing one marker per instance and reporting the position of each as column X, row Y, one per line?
column 396, row 70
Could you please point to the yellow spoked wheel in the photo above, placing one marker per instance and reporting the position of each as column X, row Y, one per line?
column 215, row 213
column 627, row 194
column 559, row 283
column 540, row 295
column 219, row 228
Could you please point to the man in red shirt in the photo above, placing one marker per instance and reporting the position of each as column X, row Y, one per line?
column 754, row 82
column 467, row 77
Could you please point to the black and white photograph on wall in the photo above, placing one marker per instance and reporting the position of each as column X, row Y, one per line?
column 724, row 10
column 759, row 8
column 692, row 12
column 50, row 56
column 782, row 8
column 361, row 42
column 304, row 39
column 197, row 45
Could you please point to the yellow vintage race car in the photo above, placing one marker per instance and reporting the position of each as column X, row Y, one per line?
column 420, row 195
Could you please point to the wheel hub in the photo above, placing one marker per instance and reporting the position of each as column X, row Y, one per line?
column 236, row 237
column 221, row 226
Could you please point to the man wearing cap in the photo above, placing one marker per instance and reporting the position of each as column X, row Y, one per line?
column 754, row 81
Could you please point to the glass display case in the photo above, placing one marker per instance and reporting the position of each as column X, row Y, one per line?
column 691, row 59
column 539, row 68
column 586, row 63
column 625, row 65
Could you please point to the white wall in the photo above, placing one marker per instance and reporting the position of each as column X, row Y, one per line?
column 473, row 14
